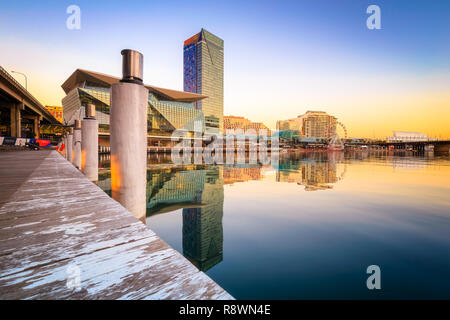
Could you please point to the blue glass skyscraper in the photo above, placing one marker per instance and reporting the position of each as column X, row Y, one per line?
column 203, row 74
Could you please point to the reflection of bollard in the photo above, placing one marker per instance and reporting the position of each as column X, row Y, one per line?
column 128, row 124
column 58, row 146
column 65, row 146
column 77, row 144
column 89, row 144
column 69, row 144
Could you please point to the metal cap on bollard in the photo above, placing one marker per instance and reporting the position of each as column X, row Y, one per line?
column 77, row 124
column 132, row 66
column 70, row 130
column 90, row 111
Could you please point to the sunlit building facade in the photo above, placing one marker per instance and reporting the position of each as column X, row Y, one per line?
column 234, row 123
column 203, row 74
column 56, row 111
column 312, row 124
column 168, row 110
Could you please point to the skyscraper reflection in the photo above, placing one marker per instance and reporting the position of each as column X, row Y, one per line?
column 199, row 192
column 202, row 226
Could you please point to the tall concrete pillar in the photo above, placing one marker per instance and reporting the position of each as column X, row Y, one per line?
column 37, row 120
column 76, row 150
column 70, row 145
column 16, row 120
column 20, row 107
column 89, row 144
column 13, row 120
column 128, row 124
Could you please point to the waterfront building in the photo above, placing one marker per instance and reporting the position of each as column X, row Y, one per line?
column 312, row 124
column 203, row 74
column 405, row 136
column 56, row 111
column 233, row 122
column 168, row 110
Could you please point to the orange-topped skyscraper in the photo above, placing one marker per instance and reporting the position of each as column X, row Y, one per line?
column 203, row 74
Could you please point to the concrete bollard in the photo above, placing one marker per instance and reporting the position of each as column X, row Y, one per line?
column 128, row 124
column 70, row 145
column 89, row 144
column 77, row 144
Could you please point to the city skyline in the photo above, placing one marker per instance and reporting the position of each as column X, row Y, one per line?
column 374, row 81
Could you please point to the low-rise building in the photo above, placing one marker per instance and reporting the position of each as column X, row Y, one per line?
column 405, row 136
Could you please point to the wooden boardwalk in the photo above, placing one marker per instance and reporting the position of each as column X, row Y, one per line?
column 56, row 224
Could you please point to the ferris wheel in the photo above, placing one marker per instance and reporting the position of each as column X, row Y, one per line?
column 343, row 128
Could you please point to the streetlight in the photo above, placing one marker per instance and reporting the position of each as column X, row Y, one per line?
column 26, row 81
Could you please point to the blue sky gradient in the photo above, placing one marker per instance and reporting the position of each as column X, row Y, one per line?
column 281, row 57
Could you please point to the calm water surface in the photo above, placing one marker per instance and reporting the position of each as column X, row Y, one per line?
column 309, row 229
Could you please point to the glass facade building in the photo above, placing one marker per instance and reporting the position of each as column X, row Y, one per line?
column 203, row 74
column 168, row 110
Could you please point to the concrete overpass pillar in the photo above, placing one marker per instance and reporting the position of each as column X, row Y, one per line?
column 16, row 120
column 12, row 118
column 37, row 120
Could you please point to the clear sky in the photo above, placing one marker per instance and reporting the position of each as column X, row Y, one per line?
column 282, row 58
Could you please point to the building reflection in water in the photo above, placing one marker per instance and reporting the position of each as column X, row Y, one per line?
column 316, row 171
column 241, row 174
column 202, row 226
column 199, row 192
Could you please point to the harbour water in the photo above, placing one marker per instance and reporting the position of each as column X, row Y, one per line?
column 309, row 228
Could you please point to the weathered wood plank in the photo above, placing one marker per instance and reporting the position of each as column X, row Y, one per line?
column 52, row 217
